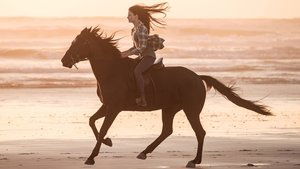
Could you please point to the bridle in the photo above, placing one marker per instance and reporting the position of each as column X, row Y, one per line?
column 77, row 59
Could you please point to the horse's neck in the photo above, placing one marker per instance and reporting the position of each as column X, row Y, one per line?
column 108, row 69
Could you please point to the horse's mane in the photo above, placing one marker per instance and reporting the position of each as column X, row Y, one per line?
column 108, row 43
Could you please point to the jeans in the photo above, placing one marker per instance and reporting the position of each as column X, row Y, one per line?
column 142, row 66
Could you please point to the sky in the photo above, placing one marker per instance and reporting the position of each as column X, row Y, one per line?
column 178, row 8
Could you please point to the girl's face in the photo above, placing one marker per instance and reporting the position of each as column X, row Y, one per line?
column 132, row 17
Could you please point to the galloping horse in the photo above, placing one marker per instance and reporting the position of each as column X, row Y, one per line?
column 176, row 88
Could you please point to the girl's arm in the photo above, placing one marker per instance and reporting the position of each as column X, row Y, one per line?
column 140, row 46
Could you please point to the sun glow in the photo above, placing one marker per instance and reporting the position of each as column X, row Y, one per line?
column 179, row 8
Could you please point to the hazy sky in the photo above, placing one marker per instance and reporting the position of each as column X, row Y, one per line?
column 179, row 8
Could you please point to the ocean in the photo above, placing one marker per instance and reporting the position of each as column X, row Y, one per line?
column 251, row 51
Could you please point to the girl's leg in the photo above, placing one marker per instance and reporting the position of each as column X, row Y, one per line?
column 144, row 64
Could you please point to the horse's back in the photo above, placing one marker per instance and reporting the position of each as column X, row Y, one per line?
column 174, row 79
column 176, row 75
column 178, row 86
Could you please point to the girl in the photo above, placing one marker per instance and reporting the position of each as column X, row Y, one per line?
column 142, row 19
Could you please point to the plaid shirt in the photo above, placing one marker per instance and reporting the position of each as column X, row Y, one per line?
column 140, row 38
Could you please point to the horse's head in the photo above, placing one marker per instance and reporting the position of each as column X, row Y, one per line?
column 90, row 44
column 78, row 51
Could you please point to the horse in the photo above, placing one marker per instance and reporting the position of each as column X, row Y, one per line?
column 176, row 88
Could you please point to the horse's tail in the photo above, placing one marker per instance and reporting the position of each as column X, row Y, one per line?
column 228, row 92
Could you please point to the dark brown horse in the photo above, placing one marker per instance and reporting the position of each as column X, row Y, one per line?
column 176, row 88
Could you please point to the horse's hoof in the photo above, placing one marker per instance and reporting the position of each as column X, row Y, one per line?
column 142, row 156
column 190, row 164
column 90, row 162
column 108, row 142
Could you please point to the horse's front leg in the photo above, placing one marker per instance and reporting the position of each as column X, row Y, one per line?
column 99, row 114
column 108, row 120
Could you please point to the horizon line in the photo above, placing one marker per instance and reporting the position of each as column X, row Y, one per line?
column 119, row 17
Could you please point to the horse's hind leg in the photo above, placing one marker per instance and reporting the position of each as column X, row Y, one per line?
column 167, row 119
column 200, row 133
column 99, row 114
column 193, row 98
column 194, row 120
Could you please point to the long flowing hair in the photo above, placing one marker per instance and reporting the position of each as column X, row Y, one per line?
column 145, row 14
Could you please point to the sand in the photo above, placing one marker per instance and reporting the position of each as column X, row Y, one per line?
column 48, row 128
column 219, row 152
column 63, row 113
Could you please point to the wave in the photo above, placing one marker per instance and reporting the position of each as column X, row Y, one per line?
column 43, row 70
column 51, row 53
column 239, row 68
column 38, row 33
column 48, row 84
column 220, row 32
column 90, row 82
column 286, row 52
column 40, row 79
column 276, row 80
column 18, row 52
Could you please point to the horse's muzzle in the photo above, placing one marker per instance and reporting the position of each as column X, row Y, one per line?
column 67, row 65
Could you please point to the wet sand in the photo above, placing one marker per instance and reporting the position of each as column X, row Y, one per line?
column 63, row 113
column 174, row 153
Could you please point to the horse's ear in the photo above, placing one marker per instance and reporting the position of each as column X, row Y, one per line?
column 90, row 29
column 95, row 30
column 84, row 30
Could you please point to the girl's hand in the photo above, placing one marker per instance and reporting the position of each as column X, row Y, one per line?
column 125, row 54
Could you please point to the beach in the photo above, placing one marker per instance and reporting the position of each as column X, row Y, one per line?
column 63, row 113
column 49, row 129
column 45, row 108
